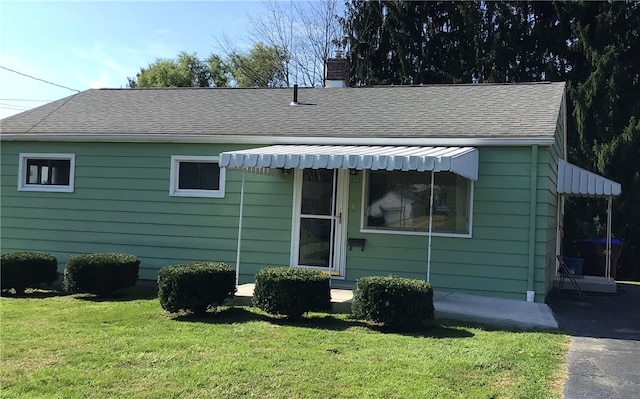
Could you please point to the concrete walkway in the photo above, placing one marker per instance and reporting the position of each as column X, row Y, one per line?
column 449, row 305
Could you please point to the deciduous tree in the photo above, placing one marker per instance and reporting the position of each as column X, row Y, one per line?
column 307, row 32
column 262, row 66
column 185, row 71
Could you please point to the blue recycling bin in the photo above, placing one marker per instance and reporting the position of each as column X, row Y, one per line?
column 574, row 265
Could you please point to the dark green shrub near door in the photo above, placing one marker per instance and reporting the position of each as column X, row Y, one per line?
column 394, row 301
column 291, row 291
column 195, row 286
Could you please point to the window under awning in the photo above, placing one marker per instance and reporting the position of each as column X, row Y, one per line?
column 459, row 160
column 574, row 180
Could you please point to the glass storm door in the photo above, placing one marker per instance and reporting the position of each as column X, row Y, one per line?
column 319, row 223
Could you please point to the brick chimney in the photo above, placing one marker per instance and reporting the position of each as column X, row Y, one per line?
column 337, row 71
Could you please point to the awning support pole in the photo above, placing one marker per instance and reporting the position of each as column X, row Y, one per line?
column 608, row 259
column 430, row 228
column 559, row 229
column 240, row 230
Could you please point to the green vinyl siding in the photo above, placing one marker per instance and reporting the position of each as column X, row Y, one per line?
column 547, row 205
column 494, row 261
column 121, row 203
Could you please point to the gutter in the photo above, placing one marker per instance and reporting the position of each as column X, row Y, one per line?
column 297, row 140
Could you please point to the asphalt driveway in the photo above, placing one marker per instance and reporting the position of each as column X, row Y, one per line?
column 604, row 354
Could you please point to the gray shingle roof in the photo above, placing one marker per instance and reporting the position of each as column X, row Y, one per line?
column 449, row 111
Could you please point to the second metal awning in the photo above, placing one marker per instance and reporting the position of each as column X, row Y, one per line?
column 573, row 180
column 459, row 160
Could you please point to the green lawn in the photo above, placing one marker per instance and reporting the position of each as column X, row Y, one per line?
column 56, row 346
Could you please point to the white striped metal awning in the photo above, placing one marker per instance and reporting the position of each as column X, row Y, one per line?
column 574, row 180
column 460, row 160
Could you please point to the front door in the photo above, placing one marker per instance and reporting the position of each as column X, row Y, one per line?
column 320, row 219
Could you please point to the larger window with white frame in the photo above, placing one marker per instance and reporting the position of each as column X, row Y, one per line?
column 399, row 202
column 196, row 176
column 46, row 172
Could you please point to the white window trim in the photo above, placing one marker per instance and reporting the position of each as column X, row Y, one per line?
column 174, row 191
column 22, row 172
column 363, row 209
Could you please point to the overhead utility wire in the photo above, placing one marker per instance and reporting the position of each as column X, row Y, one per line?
column 14, row 105
column 42, row 80
column 24, row 99
column 13, row 108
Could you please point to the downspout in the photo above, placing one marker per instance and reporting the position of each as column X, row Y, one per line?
column 561, row 197
column 559, row 229
column 532, row 223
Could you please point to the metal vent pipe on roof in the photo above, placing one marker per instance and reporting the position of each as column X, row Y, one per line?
column 295, row 95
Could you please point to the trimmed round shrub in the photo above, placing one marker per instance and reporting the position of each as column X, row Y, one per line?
column 21, row 270
column 393, row 301
column 100, row 274
column 195, row 286
column 291, row 291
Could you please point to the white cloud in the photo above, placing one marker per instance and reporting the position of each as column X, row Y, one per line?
column 103, row 65
column 101, row 82
column 98, row 54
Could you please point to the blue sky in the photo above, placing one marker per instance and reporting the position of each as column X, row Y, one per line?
column 92, row 44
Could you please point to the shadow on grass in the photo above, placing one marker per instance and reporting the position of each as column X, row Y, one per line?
column 33, row 293
column 224, row 315
column 322, row 321
column 434, row 329
column 127, row 294
column 489, row 327
column 135, row 293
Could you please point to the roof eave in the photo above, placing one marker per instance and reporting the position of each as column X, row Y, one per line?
column 256, row 139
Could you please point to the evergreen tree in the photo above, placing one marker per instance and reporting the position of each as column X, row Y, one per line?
column 605, row 95
column 595, row 46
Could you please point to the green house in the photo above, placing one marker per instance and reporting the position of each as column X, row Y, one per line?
column 456, row 184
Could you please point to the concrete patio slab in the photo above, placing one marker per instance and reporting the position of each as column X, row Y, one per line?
column 450, row 305
column 588, row 284
column 496, row 311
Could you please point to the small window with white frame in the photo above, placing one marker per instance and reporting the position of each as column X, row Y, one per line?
column 46, row 172
column 196, row 176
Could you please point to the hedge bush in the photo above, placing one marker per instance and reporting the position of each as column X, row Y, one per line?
column 21, row 270
column 100, row 274
column 292, row 291
column 394, row 301
column 195, row 286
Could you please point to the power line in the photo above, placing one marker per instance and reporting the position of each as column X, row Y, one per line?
column 24, row 99
column 42, row 80
column 14, row 105
column 14, row 109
